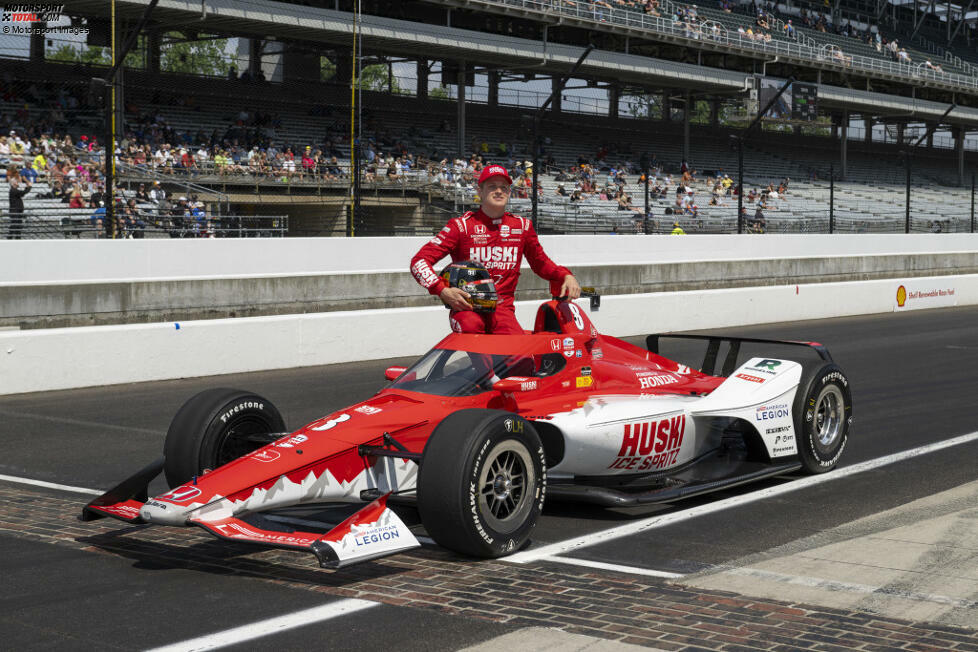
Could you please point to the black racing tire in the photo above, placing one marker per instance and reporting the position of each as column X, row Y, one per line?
column 215, row 427
column 823, row 416
column 482, row 482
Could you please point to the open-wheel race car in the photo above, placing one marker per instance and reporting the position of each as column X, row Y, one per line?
column 483, row 429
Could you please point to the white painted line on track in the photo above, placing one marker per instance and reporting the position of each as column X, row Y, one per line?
column 849, row 587
column 618, row 568
column 548, row 552
column 51, row 485
column 268, row 627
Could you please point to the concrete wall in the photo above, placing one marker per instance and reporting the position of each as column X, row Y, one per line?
column 58, row 358
column 48, row 261
column 59, row 283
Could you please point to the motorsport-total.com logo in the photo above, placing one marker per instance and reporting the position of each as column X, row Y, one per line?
column 31, row 13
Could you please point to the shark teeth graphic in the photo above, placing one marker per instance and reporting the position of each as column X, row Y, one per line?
column 388, row 474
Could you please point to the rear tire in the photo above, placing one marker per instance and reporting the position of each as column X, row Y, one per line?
column 215, row 427
column 482, row 482
column 823, row 416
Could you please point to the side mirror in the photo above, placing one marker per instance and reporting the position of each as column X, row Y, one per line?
column 392, row 373
column 515, row 384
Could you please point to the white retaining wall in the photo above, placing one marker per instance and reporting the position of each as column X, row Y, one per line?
column 60, row 358
column 45, row 261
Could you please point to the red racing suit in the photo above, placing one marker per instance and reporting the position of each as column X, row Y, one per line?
column 499, row 244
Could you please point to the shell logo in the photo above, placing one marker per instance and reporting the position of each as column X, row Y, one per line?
column 901, row 296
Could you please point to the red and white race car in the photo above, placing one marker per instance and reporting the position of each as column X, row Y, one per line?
column 483, row 429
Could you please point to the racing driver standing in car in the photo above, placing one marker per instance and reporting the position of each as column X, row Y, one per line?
column 499, row 240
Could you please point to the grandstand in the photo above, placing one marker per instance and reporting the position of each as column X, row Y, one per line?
column 267, row 151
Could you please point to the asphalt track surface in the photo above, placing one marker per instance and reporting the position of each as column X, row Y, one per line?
column 913, row 379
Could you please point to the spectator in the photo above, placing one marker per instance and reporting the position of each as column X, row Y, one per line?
column 677, row 230
column 98, row 220
column 18, row 188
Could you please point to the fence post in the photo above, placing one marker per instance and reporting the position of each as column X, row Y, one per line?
column 831, row 198
column 972, row 202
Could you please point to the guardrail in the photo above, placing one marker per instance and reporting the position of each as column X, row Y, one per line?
column 734, row 40
column 54, row 223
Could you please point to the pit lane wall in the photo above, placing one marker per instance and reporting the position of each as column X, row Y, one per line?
column 59, row 358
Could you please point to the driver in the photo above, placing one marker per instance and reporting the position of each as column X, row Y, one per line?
column 498, row 240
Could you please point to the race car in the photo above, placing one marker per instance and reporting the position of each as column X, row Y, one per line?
column 483, row 430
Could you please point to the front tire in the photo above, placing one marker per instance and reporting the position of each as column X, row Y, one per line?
column 482, row 482
column 215, row 427
column 823, row 416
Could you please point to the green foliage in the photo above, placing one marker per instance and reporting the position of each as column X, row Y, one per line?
column 327, row 69
column 377, row 78
column 206, row 57
column 91, row 55
column 439, row 93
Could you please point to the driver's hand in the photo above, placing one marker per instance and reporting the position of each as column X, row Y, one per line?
column 457, row 298
column 571, row 288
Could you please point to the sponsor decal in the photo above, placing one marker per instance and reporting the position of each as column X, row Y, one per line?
column 768, row 412
column 423, row 272
column 656, row 380
column 836, row 376
column 555, row 345
column 569, row 353
column 565, row 383
column 480, row 229
column 446, row 229
column 154, row 503
column 568, row 342
column 783, row 450
column 770, row 365
column 244, row 405
column 238, row 531
column 578, row 353
column 504, row 231
column 753, row 379
column 597, row 354
column 650, row 444
column 925, row 294
column 294, row 440
column 495, row 257
column 376, row 535
column 585, row 371
column 513, row 425
column 265, row 455
column 123, row 510
column 584, row 381
column 773, row 431
column 367, row 409
column 180, row 494
column 332, row 423
column 516, row 231
column 435, row 240
column 682, row 369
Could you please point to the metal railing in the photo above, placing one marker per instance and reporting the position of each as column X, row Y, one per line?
column 54, row 223
column 734, row 40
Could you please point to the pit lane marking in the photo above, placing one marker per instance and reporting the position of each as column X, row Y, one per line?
column 269, row 626
column 618, row 568
column 552, row 551
column 51, row 485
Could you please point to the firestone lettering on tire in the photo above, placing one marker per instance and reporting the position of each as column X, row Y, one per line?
column 835, row 375
column 241, row 406
column 474, row 494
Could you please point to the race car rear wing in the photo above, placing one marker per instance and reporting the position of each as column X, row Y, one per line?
column 730, row 360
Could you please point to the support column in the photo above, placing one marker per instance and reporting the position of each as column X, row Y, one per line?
column 493, row 88
column 153, row 52
column 715, row 114
column 901, row 133
column 666, row 106
column 687, row 109
column 37, row 43
column 868, row 130
column 959, row 133
column 254, row 57
column 422, row 73
column 555, row 106
column 461, row 109
column 614, row 94
column 844, row 146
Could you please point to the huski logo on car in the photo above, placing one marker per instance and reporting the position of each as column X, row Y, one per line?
column 650, row 444
column 180, row 494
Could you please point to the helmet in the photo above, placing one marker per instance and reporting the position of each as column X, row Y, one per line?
column 472, row 277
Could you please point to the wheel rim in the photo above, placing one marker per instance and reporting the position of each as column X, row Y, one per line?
column 242, row 436
column 506, row 486
column 828, row 419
